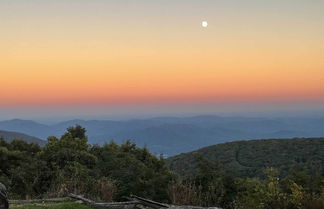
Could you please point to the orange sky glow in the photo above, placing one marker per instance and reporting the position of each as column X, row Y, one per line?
column 81, row 54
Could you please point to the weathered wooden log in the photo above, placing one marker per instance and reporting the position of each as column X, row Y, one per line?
column 39, row 200
column 158, row 205
column 190, row 207
column 135, row 202
column 112, row 205
column 150, row 203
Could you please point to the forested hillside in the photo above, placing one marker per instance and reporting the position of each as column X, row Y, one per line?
column 238, row 175
column 249, row 158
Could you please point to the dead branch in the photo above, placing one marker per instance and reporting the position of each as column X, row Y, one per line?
column 150, row 203
column 134, row 202
column 112, row 205
column 39, row 200
column 158, row 205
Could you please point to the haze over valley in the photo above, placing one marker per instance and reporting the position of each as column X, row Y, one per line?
column 174, row 135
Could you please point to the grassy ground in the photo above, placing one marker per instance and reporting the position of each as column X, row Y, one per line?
column 66, row 205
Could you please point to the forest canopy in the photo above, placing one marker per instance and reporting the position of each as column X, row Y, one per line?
column 109, row 172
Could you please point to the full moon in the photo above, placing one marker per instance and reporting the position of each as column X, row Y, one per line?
column 204, row 24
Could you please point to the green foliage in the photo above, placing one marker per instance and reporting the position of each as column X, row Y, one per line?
column 249, row 158
column 134, row 169
column 213, row 186
column 19, row 167
column 250, row 193
column 69, row 164
column 226, row 176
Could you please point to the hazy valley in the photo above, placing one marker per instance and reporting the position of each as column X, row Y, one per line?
column 174, row 135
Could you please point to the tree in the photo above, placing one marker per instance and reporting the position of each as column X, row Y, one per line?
column 135, row 170
column 69, row 160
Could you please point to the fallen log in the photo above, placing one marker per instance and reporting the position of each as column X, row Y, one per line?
column 40, row 200
column 191, row 207
column 135, row 202
column 149, row 203
column 112, row 205
column 158, row 205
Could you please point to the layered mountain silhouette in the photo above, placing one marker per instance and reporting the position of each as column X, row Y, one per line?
column 10, row 135
column 173, row 135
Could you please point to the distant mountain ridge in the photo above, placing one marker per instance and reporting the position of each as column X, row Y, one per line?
column 173, row 135
column 9, row 136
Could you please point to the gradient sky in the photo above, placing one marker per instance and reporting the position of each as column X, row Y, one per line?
column 135, row 54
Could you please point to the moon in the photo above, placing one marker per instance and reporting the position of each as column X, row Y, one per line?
column 204, row 24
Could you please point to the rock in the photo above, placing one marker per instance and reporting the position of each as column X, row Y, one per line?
column 3, row 197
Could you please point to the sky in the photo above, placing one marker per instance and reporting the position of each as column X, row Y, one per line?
column 69, row 58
